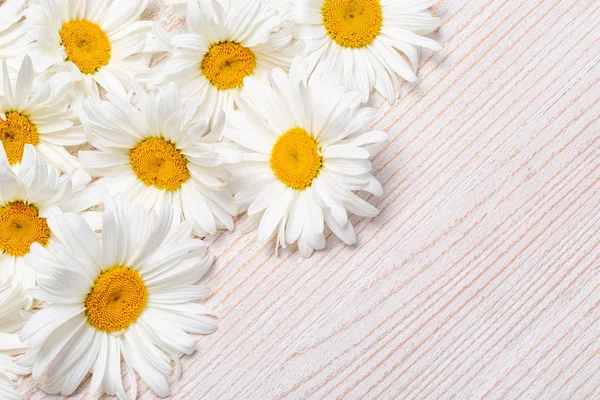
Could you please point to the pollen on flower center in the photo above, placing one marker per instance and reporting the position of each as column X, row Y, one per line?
column 227, row 64
column 15, row 132
column 86, row 45
column 352, row 23
column 157, row 162
column 295, row 159
column 20, row 227
column 116, row 300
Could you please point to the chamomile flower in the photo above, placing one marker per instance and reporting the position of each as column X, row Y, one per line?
column 127, row 298
column 11, row 320
column 29, row 193
column 153, row 156
column 40, row 117
column 306, row 151
column 370, row 43
column 100, row 42
column 226, row 42
column 12, row 35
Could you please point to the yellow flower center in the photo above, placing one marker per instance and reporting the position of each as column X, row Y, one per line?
column 352, row 23
column 295, row 159
column 157, row 162
column 116, row 300
column 15, row 133
column 86, row 45
column 20, row 227
column 227, row 64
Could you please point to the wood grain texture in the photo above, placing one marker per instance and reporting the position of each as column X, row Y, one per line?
column 480, row 277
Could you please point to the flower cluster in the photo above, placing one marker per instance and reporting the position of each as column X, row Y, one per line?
column 123, row 145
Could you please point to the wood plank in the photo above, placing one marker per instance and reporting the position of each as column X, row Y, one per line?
column 479, row 279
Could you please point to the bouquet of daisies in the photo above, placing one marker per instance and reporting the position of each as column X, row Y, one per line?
column 123, row 145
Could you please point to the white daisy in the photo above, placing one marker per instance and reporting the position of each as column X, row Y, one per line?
column 99, row 42
column 226, row 42
column 153, row 156
column 307, row 151
column 12, row 35
column 127, row 298
column 370, row 43
column 29, row 193
column 11, row 320
column 40, row 117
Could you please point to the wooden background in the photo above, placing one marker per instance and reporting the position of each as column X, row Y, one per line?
column 480, row 277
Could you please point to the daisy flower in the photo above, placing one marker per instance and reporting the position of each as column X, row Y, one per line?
column 306, row 151
column 226, row 42
column 12, row 35
column 152, row 156
column 127, row 298
column 29, row 193
column 39, row 117
column 370, row 43
column 11, row 320
column 99, row 42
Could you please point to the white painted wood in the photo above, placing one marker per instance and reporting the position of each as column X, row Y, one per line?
column 480, row 277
